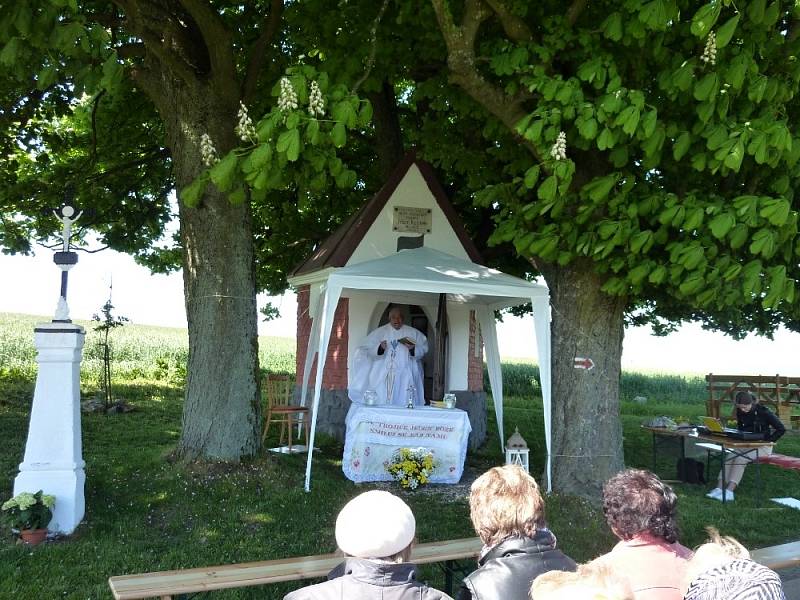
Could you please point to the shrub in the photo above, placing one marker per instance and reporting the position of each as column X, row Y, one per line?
column 29, row 511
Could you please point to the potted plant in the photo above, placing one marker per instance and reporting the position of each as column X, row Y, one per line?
column 30, row 514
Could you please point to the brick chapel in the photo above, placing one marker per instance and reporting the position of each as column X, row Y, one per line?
column 411, row 210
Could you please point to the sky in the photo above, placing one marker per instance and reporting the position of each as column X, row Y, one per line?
column 31, row 286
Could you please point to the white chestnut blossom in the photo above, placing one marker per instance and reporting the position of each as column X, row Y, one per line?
column 245, row 129
column 316, row 104
column 559, row 149
column 710, row 51
column 207, row 151
column 287, row 99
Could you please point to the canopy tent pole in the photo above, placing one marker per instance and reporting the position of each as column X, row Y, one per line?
column 541, row 320
column 311, row 351
column 489, row 332
column 330, row 299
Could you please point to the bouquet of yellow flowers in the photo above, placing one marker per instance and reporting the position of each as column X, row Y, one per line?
column 412, row 467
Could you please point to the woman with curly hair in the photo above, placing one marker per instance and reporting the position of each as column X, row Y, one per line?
column 640, row 509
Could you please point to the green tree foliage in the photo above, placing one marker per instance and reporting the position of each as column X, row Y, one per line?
column 289, row 167
column 680, row 173
column 671, row 197
column 118, row 99
column 107, row 147
column 652, row 162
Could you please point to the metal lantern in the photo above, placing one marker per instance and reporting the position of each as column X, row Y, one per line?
column 517, row 451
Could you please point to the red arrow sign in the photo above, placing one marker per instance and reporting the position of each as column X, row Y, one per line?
column 584, row 363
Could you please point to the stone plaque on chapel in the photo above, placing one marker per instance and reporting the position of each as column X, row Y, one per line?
column 408, row 219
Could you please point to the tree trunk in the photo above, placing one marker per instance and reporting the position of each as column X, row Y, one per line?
column 221, row 409
column 221, row 414
column 586, row 426
column 388, row 135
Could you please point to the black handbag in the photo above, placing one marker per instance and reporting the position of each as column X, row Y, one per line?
column 691, row 471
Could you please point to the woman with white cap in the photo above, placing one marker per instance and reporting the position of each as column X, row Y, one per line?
column 375, row 530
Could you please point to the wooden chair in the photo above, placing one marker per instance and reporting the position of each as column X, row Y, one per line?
column 279, row 409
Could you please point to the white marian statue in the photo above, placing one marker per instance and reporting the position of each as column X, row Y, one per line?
column 388, row 362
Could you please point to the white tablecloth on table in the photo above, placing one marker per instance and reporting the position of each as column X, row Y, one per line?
column 375, row 432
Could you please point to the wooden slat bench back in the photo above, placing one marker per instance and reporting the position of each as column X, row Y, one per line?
column 166, row 584
column 775, row 390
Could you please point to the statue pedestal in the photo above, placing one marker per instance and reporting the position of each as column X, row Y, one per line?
column 53, row 457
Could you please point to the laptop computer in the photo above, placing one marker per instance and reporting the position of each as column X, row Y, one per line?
column 715, row 427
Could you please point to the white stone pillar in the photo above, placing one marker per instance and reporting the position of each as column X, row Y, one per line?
column 53, row 457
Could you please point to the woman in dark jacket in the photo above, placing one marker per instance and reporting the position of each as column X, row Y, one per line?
column 750, row 416
column 507, row 512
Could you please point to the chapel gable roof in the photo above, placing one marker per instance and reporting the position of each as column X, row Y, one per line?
column 337, row 249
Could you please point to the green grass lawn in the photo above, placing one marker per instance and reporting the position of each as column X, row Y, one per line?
column 144, row 513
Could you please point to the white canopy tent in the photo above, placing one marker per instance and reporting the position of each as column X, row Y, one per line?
column 417, row 275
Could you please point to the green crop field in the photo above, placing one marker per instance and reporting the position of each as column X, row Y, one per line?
column 144, row 512
column 139, row 351
column 520, row 378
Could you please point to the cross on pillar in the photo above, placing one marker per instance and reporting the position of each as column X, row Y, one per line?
column 53, row 460
column 65, row 259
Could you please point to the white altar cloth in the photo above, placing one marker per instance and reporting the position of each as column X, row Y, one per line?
column 375, row 432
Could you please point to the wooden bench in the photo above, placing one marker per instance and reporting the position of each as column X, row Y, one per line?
column 778, row 557
column 778, row 391
column 781, row 460
column 166, row 584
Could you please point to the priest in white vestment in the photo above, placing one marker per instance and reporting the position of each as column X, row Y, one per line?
column 388, row 362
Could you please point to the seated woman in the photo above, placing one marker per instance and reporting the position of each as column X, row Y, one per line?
column 750, row 416
column 721, row 569
column 641, row 511
column 376, row 531
column 507, row 512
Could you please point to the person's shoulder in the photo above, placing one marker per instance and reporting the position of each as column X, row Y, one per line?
column 564, row 562
column 619, row 549
column 604, row 558
column 682, row 551
column 301, row 594
column 377, row 331
column 318, row 591
column 416, row 332
column 429, row 593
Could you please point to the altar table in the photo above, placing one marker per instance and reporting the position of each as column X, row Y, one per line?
column 375, row 432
